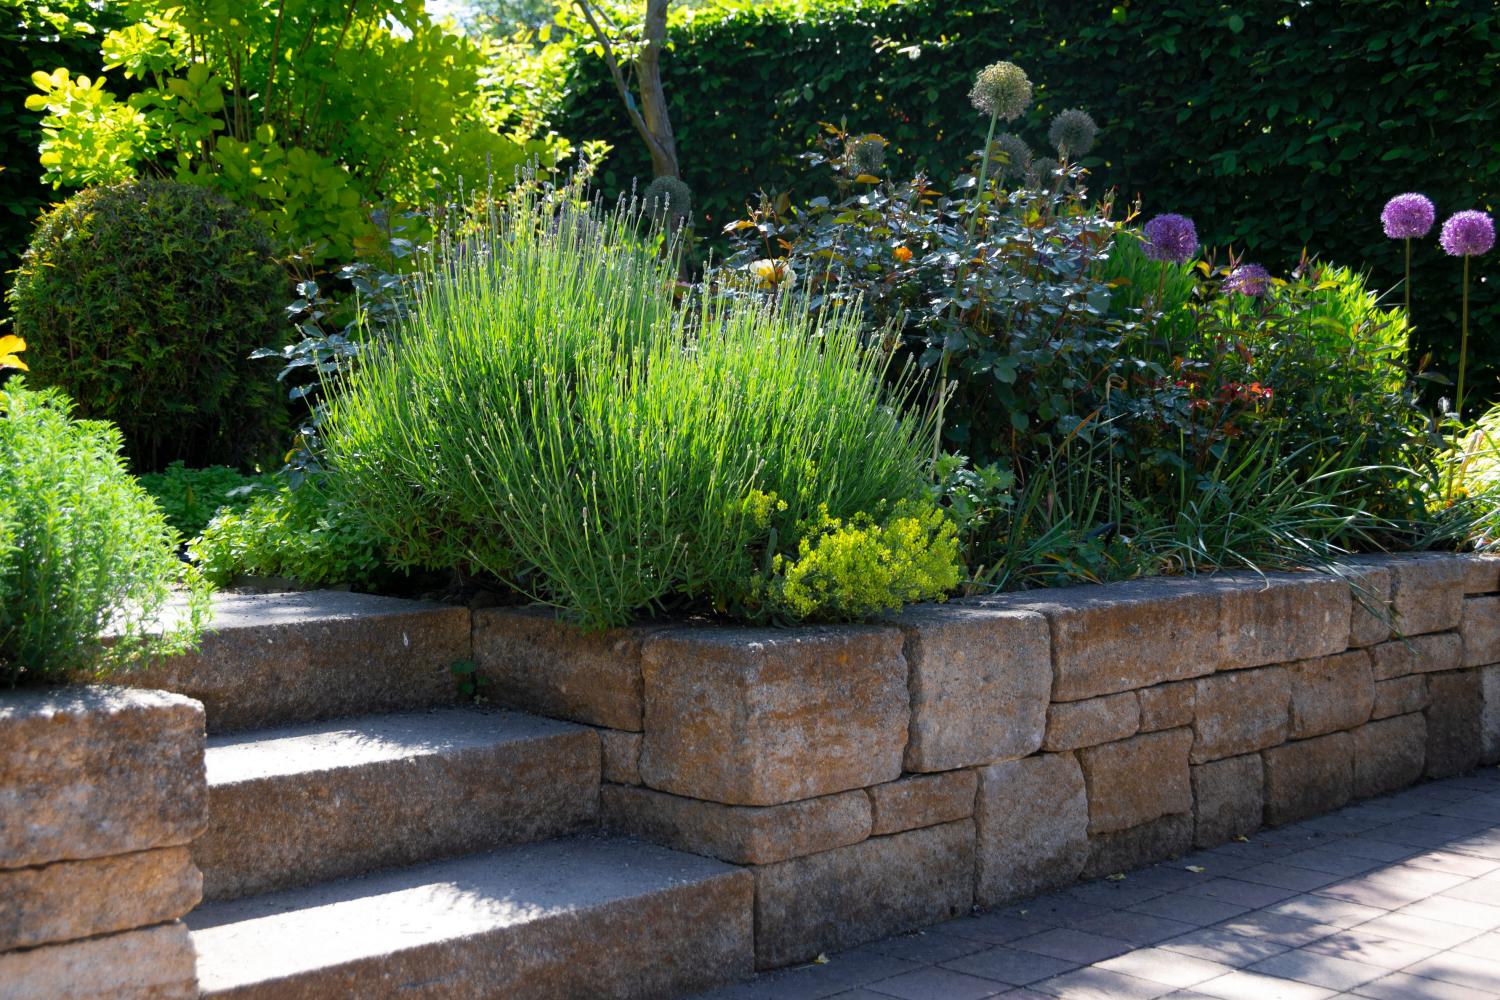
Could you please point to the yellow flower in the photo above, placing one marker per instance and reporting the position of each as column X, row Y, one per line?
column 10, row 346
column 902, row 254
column 773, row 273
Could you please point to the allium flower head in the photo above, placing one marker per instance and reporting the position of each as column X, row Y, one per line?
column 1001, row 89
column 1407, row 216
column 1248, row 279
column 1010, row 156
column 668, row 201
column 1073, row 132
column 1170, row 237
column 865, row 155
column 1468, row 234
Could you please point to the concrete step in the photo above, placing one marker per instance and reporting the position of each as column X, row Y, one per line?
column 275, row 659
column 579, row 917
column 302, row 804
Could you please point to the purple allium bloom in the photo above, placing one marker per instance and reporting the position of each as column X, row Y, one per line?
column 1408, row 216
column 1468, row 234
column 1170, row 237
column 1248, row 279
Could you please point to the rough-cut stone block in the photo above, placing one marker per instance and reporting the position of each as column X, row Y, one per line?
column 89, row 772
column 1399, row 695
column 1240, row 711
column 1074, row 724
column 1121, row 636
column 1454, row 722
column 764, row 716
column 324, row 800
column 1123, row 850
column 1480, row 631
column 845, row 897
column 1331, row 693
column 1167, row 706
column 980, row 681
column 1281, row 617
column 1228, row 799
column 1389, row 754
column 746, row 835
column 537, row 661
column 919, row 800
column 1420, row 654
column 1137, row 780
column 1370, row 613
column 1031, row 818
column 78, row 899
column 1489, row 683
column 1308, row 777
column 1481, row 572
column 156, row 963
column 1427, row 592
column 621, row 753
column 277, row 659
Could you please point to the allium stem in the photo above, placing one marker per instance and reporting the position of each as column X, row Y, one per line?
column 1463, row 346
column 1408, row 285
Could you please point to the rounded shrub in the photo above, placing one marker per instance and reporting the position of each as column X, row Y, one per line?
column 84, row 551
column 143, row 301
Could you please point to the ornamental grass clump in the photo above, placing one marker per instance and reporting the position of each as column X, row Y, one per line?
column 553, row 418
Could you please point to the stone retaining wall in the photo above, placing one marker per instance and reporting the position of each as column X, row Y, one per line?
column 101, row 792
column 877, row 778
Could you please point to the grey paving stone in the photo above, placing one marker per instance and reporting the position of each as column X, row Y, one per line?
column 1007, row 965
column 932, row 982
column 1232, row 890
column 1215, row 944
column 1401, row 986
column 1100, row 984
column 1072, row 945
column 1242, row 985
column 1360, row 945
column 1191, row 909
column 1167, row 967
column 1136, row 928
column 1317, row 969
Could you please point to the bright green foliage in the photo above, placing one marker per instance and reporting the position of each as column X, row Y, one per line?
column 304, row 535
column 554, row 419
column 191, row 497
column 1274, row 124
column 84, row 551
column 304, row 110
column 143, row 302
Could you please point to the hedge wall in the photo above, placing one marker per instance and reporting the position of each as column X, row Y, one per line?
column 1276, row 124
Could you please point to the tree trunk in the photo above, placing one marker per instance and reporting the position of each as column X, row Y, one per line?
column 651, row 120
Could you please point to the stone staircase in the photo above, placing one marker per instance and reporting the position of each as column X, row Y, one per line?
column 370, row 838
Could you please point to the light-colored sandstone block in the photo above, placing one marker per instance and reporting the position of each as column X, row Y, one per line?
column 746, row 835
column 765, row 716
column 1480, row 631
column 1455, row 722
column 96, row 771
column 980, row 680
column 1489, row 686
column 1427, row 592
column 1167, row 706
column 1074, row 724
column 1031, row 820
column 1308, row 777
column 1389, row 754
column 1370, row 613
column 1228, row 799
column 1137, row 780
column 1125, row 850
column 155, row 963
column 919, row 800
column 1282, row 617
column 77, row 899
column 1241, row 711
column 1419, row 654
column 1481, row 572
column 1122, row 636
column 621, row 753
column 840, row 898
column 1331, row 693
column 1399, row 695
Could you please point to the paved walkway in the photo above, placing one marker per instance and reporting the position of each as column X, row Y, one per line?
column 1395, row 898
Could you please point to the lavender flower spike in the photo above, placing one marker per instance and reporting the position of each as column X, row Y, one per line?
column 1468, row 234
column 1408, row 216
column 1248, row 279
column 1170, row 238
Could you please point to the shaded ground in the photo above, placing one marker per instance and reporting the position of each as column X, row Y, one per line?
column 1396, row 898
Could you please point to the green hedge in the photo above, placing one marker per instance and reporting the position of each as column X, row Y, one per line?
column 1275, row 124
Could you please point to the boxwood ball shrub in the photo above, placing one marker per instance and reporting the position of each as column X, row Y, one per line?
column 143, row 301
column 551, row 416
column 83, row 550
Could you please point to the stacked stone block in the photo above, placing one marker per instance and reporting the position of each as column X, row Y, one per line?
column 877, row 778
column 103, row 790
